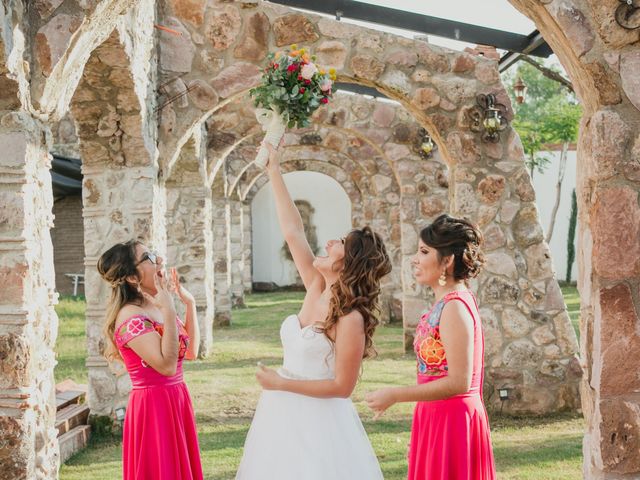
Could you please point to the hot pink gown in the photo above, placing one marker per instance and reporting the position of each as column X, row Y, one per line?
column 450, row 438
column 160, row 441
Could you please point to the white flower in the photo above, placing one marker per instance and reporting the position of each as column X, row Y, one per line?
column 325, row 85
column 308, row 71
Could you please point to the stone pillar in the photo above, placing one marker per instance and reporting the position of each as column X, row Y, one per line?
column 222, row 275
column 122, row 199
column 609, row 282
column 236, row 250
column 28, row 322
column 189, row 249
column 247, row 248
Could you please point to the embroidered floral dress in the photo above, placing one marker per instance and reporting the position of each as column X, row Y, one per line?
column 160, row 441
column 450, row 438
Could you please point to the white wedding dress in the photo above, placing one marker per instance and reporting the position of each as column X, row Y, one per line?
column 296, row 437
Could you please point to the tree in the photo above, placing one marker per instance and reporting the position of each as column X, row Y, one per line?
column 549, row 115
column 571, row 251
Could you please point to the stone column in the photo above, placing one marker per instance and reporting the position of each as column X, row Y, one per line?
column 222, row 282
column 247, row 248
column 28, row 322
column 122, row 198
column 236, row 251
column 189, row 249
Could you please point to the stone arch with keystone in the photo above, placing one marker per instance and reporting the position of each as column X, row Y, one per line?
column 362, row 129
column 531, row 344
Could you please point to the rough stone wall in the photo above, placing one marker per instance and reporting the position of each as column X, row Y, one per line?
column 28, row 322
column 247, row 252
column 189, row 237
column 603, row 61
column 531, row 345
column 236, row 250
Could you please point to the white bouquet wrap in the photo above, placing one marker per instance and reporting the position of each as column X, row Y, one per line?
column 273, row 124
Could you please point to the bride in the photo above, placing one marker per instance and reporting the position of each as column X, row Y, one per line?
column 305, row 426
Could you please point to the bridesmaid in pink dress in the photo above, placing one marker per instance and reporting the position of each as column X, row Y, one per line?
column 450, row 438
column 142, row 329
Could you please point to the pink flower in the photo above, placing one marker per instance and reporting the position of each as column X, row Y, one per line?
column 301, row 90
column 307, row 82
column 308, row 71
column 324, row 100
column 299, row 77
column 135, row 326
column 293, row 67
column 325, row 85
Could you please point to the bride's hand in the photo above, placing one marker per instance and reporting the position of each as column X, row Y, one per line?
column 274, row 155
column 379, row 401
column 268, row 378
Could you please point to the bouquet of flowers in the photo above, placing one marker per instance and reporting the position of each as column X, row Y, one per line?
column 293, row 87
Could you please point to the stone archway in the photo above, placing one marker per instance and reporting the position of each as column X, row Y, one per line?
column 121, row 198
column 602, row 60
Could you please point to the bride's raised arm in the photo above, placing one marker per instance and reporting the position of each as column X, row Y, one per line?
column 291, row 222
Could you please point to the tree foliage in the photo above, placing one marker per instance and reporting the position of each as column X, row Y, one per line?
column 550, row 114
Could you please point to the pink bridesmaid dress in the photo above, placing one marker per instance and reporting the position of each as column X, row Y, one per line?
column 450, row 438
column 160, row 440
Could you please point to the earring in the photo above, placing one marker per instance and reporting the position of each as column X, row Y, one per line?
column 442, row 281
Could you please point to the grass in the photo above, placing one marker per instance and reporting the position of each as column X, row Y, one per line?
column 572, row 299
column 225, row 393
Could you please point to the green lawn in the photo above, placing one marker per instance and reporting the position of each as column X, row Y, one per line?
column 572, row 299
column 225, row 393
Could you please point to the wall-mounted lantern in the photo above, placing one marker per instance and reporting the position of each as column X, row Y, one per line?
column 520, row 89
column 488, row 117
column 628, row 14
column 426, row 146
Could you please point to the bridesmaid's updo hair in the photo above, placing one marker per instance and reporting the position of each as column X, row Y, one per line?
column 457, row 237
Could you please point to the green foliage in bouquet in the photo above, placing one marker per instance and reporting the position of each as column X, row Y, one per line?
column 294, row 86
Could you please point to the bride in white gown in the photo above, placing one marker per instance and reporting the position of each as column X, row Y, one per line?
column 305, row 426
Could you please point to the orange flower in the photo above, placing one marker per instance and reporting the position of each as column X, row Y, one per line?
column 294, row 53
column 432, row 351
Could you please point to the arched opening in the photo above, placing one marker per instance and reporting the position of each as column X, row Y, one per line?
column 326, row 212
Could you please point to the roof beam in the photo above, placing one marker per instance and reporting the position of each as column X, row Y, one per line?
column 416, row 22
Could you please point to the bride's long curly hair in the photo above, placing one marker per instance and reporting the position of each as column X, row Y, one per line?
column 358, row 287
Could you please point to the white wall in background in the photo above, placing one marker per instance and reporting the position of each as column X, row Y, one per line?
column 332, row 219
column 545, row 186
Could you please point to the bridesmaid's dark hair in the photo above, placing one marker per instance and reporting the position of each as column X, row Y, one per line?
column 457, row 237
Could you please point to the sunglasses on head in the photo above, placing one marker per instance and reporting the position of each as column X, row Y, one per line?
column 151, row 256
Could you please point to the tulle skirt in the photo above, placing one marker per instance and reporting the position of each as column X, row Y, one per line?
column 450, row 440
column 160, row 441
column 295, row 437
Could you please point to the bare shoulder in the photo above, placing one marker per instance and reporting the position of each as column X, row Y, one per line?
column 456, row 314
column 352, row 321
column 127, row 312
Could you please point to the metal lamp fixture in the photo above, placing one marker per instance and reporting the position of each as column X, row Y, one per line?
column 488, row 117
column 628, row 14
column 426, row 146
column 520, row 89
